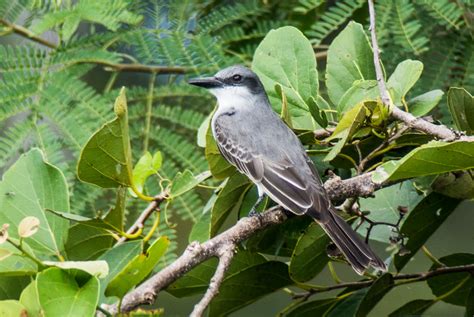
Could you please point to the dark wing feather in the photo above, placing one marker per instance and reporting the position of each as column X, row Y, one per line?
column 282, row 180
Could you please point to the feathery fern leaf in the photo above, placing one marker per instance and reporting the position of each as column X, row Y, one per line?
column 406, row 28
column 334, row 17
column 304, row 6
column 444, row 11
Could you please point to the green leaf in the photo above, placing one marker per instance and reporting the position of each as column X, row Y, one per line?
column 16, row 264
column 422, row 222
column 442, row 284
column 12, row 308
column 360, row 91
column 259, row 280
column 458, row 185
column 95, row 268
column 285, row 112
column 87, row 243
column 461, row 106
column 106, row 159
column 309, row 256
column 315, row 108
column 349, row 59
column 197, row 280
column 383, row 207
column 186, row 181
column 312, row 309
column 414, row 308
column 146, row 166
column 347, row 126
column 429, row 159
column 229, row 200
column 421, row 105
column 29, row 187
column 137, row 269
column 286, row 57
column 79, row 293
column 115, row 216
column 361, row 302
column 118, row 258
column 201, row 230
column 12, row 286
column 403, row 79
column 470, row 304
column 218, row 166
column 29, row 299
column 279, row 240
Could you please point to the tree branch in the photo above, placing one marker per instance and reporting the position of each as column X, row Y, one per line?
column 134, row 67
column 146, row 213
column 440, row 131
column 196, row 253
column 20, row 30
column 404, row 278
column 224, row 262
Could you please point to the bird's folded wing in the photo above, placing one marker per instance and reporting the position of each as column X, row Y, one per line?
column 282, row 180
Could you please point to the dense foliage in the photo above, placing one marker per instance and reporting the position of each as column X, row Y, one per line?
column 68, row 156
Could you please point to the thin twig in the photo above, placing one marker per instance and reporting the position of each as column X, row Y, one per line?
column 440, row 131
column 20, row 30
column 404, row 278
column 216, row 281
column 146, row 213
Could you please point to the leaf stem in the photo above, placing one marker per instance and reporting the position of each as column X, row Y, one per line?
column 430, row 256
column 156, row 222
column 27, row 254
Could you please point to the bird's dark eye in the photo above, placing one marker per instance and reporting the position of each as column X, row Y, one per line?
column 236, row 78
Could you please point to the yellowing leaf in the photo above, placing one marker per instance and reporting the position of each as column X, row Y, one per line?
column 28, row 226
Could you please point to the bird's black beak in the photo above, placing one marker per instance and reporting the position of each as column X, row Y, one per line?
column 206, row 82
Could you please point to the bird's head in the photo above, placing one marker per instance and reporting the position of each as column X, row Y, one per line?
column 234, row 81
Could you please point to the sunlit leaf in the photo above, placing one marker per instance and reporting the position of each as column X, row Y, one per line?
column 286, row 57
column 79, row 293
column 349, row 59
column 29, row 187
column 137, row 269
column 106, row 159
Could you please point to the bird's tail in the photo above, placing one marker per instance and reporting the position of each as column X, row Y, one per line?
column 356, row 251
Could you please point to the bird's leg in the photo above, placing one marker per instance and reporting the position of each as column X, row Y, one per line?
column 253, row 212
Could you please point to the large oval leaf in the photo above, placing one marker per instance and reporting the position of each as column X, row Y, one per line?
column 106, row 159
column 28, row 188
column 79, row 293
column 349, row 59
column 433, row 158
column 286, row 57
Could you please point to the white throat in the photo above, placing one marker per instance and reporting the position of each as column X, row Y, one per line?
column 233, row 98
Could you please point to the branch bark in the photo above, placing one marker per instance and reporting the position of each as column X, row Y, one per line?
column 225, row 259
column 405, row 278
column 196, row 253
column 440, row 131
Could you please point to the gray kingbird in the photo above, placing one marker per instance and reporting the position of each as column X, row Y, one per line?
column 253, row 138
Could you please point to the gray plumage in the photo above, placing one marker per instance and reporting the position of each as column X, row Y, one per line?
column 252, row 137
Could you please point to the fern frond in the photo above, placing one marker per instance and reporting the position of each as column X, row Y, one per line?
column 406, row 28
column 13, row 140
column 228, row 14
column 304, row 6
column 109, row 13
column 445, row 12
column 384, row 9
column 332, row 19
column 179, row 150
column 439, row 64
column 11, row 10
column 178, row 116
